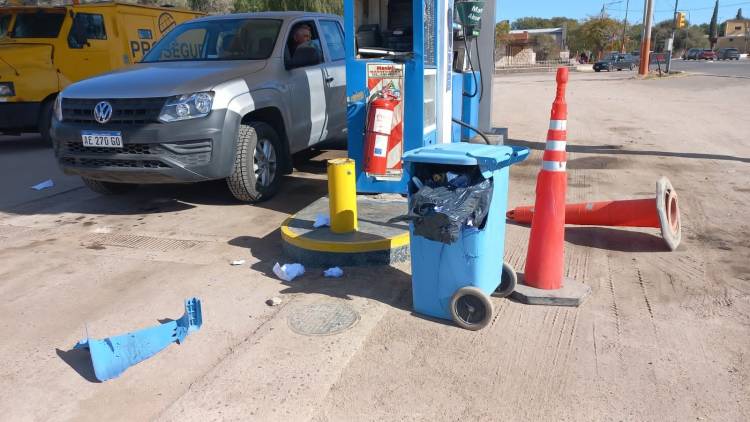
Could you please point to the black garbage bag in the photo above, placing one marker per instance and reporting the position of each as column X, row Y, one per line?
column 440, row 213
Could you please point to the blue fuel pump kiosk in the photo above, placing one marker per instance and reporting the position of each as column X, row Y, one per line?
column 402, row 52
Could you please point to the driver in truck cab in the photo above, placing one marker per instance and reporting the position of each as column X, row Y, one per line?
column 303, row 37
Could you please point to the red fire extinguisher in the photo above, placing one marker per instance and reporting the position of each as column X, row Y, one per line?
column 378, row 131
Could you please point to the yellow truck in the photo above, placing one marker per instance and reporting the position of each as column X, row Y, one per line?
column 45, row 49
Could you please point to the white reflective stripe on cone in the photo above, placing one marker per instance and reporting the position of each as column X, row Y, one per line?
column 553, row 165
column 558, row 124
column 555, row 146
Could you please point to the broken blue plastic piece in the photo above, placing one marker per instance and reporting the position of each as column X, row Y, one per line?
column 113, row 355
column 44, row 185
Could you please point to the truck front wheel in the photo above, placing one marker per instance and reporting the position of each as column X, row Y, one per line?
column 257, row 171
column 45, row 121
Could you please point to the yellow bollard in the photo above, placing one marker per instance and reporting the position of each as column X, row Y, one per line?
column 342, row 195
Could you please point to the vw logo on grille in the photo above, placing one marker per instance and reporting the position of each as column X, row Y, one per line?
column 103, row 112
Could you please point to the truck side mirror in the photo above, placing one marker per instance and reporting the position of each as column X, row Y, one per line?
column 304, row 56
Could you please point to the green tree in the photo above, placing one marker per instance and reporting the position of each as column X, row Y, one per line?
column 600, row 34
column 634, row 34
column 739, row 14
column 713, row 33
column 547, row 47
column 695, row 38
column 202, row 5
column 501, row 31
column 692, row 37
column 530, row 22
column 570, row 25
column 323, row 6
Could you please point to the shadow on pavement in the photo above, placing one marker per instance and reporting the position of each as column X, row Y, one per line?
column 615, row 239
column 385, row 284
column 295, row 194
column 80, row 361
column 23, row 143
column 616, row 150
column 612, row 239
column 266, row 249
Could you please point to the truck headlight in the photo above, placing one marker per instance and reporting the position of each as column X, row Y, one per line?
column 7, row 89
column 57, row 108
column 189, row 106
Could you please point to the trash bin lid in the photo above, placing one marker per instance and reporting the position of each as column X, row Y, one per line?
column 488, row 157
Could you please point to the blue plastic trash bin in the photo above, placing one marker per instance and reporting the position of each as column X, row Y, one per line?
column 454, row 281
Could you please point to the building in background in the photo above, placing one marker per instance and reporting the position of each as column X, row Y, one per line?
column 524, row 47
column 736, row 34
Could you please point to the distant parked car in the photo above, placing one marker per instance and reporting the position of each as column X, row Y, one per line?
column 728, row 54
column 692, row 54
column 707, row 54
column 615, row 61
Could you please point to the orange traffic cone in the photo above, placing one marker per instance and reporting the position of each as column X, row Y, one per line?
column 660, row 212
column 544, row 258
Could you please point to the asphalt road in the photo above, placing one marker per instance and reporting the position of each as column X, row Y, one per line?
column 723, row 68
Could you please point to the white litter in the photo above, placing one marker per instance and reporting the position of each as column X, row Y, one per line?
column 274, row 301
column 333, row 272
column 238, row 262
column 44, row 185
column 288, row 272
column 321, row 221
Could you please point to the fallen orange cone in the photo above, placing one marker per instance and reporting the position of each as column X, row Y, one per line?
column 660, row 212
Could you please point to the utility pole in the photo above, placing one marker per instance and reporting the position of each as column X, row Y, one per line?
column 625, row 26
column 646, row 42
column 670, row 43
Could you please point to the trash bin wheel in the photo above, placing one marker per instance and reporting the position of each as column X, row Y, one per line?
column 471, row 308
column 508, row 281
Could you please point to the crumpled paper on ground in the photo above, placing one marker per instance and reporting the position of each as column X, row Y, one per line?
column 333, row 272
column 288, row 272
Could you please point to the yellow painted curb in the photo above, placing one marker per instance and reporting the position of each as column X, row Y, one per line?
column 350, row 247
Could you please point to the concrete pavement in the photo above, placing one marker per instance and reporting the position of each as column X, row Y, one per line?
column 26, row 161
column 664, row 335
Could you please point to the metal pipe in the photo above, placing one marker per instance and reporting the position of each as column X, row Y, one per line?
column 342, row 195
column 625, row 26
column 674, row 29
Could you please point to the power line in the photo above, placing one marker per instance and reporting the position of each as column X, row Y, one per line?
column 721, row 6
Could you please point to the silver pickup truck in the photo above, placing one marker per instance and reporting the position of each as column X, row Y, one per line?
column 223, row 97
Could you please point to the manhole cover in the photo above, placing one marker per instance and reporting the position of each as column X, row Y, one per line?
column 323, row 318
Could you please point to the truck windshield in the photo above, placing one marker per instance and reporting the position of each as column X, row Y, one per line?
column 224, row 39
column 37, row 25
column 4, row 23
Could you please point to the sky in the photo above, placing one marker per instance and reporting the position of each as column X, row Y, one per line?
column 699, row 10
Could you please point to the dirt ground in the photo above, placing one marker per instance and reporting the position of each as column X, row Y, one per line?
column 665, row 336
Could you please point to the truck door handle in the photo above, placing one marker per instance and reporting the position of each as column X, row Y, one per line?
column 329, row 79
